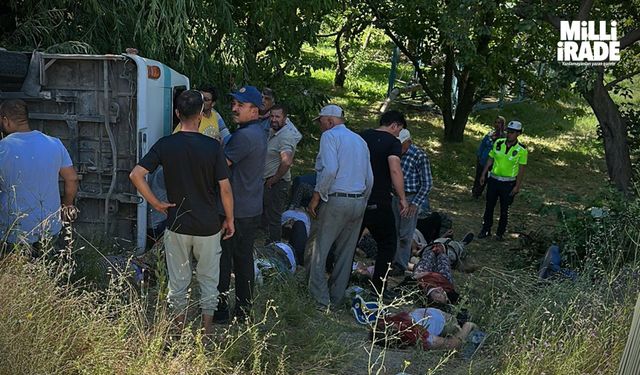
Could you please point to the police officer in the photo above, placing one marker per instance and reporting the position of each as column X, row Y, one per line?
column 507, row 161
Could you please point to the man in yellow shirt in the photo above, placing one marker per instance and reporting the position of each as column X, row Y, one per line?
column 212, row 124
column 507, row 161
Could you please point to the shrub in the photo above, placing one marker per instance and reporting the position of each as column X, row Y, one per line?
column 565, row 327
column 51, row 326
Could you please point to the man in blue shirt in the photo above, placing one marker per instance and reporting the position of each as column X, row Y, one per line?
column 30, row 163
column 246, row 153
column 343, row 185
column 416, row 170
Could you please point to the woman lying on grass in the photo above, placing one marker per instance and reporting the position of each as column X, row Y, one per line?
column 432, row 272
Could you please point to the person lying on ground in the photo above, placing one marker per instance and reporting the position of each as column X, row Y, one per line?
column 433, row 269
column 454, row 250
column 550, row 268
column 273, row 260
column 429, row 327
column 296, row 226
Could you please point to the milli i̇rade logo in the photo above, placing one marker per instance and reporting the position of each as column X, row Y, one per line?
column 581, row 43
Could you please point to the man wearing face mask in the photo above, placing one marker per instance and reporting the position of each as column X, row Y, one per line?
column 246, row 153
column 281, row 148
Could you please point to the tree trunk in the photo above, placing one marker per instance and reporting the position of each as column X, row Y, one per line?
column 341, row 71
column 456, row 119
column 614, row 134
column 454, row 125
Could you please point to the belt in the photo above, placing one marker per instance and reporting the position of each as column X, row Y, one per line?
column 281, row 178
column 500, row 178
column 347, row 195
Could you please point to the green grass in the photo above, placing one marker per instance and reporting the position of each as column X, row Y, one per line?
column 565, row 175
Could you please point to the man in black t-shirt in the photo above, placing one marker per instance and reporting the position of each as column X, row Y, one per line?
column 385, row 151
column 193, row 165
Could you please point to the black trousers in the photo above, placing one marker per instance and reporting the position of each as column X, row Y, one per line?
column 478, row 188
column 381, row 224
column 237, row 256
column 298, row 240
column 497, row 190
column 274, row 203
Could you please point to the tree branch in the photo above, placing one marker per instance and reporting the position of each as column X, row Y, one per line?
column 630, row 38
column 524, row 10
column 414, row 60
column 553, row 20
column 585, row 9
column 328, row 35
column 610, row 85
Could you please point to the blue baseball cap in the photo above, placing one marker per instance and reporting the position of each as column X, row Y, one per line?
column 248, row 94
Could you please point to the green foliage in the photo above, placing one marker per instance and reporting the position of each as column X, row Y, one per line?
column 606, row 237
column 556, row 328
column 302, row 100
column 564, row 326
column 477, row 44
column 227, row 42
column 49, row 326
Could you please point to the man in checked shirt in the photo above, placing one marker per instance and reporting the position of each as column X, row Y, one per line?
column 417, row 184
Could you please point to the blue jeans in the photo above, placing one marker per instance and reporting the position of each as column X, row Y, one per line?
column 425, row 209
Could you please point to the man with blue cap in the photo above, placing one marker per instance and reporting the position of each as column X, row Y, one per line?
column 245, row 152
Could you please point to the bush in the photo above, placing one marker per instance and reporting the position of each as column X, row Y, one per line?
column 565, row 327
column 49, row 326
column 603, row 237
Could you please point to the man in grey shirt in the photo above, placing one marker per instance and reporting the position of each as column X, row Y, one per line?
column 343, row 184
column 281, row 147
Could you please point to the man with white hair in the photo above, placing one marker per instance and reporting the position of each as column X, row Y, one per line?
column 343, row 185
column 507, row 161
column 416, row 171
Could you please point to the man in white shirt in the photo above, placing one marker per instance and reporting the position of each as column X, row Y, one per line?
column 343, row 184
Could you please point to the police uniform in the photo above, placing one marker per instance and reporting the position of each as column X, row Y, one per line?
column 502, row 179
